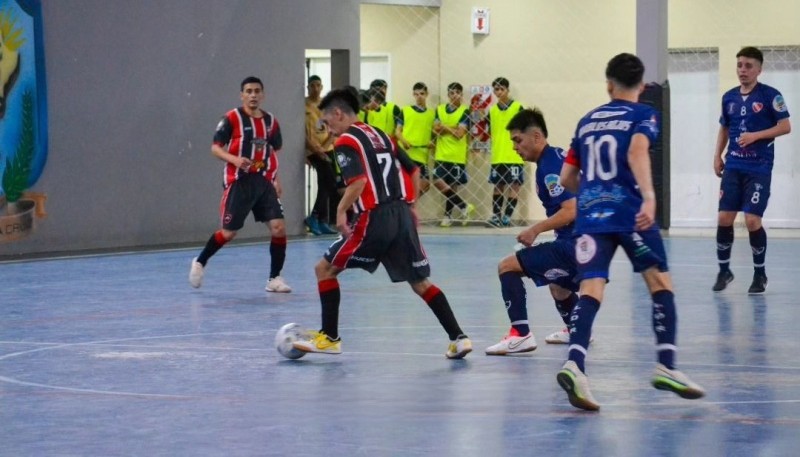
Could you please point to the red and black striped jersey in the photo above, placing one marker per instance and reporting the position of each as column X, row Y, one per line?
column 244, row 136
column 365, row 152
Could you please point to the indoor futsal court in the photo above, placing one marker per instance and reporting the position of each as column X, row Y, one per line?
column 118, row 355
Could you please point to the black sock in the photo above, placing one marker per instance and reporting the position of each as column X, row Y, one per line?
column 213, row 245
column 758, row 243
column 511, row 205
column 565, row 306
column 277, row 254
column 497, row 204
column 448, row 202
column 441, row 309
column 724, row 243
column 329, row 297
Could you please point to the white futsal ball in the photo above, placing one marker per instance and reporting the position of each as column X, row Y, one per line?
column 287, row 335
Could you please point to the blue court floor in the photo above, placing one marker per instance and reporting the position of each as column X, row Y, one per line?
column 117, row 355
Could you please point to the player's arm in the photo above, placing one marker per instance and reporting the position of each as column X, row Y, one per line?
column 571, row 171
column 351, row 194
column 411, row 168
column 564, row 216
column 221, row 138
column 639, row 161
column 781, row 128
column 398, row 131
column 462, row 128
column 722, row 142
column 312, row 143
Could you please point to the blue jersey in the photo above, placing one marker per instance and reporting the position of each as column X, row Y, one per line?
column 608, row 197
column 548, row 189
column 761, row 109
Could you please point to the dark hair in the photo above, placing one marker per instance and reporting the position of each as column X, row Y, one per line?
column 376, row 94
column 751, row 52
column 526, row 119
column 251, row 80
column 501, row 82
column 378, row 83
column 313, row 78
column 626, row 70
column 455, row 86
column 420, row 86
column 344, row 99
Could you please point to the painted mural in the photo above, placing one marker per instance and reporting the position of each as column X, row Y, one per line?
column 23, row 117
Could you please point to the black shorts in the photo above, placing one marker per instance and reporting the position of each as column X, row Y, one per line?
column 451, row 173
column 507, row 173
column 251, row 192
column 386, row 235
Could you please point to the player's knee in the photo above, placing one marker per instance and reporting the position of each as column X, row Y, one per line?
column 558, row 292
column 420, row 287
column 508, row 264
column 752, row 222
column 277, row 228
column 726, row 218
column 228, row 234
column 324, row 270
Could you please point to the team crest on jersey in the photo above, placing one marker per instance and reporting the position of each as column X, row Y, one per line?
column 585, row 249
column 779, row 104
column 342, row 160
column 757, row 106
column 554, row 188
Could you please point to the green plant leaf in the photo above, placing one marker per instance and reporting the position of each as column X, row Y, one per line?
column 18, row 168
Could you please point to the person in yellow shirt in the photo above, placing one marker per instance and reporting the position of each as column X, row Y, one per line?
column 450, row 126
column 384, row 115
column 319, row 144
column 415, row 130
column 507, row 173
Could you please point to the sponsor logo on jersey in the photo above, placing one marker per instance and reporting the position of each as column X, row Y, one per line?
column 604, row 214
column 342, row 160
column 554, row 188
column 757, row 106
column 779, row 104
column 221, row 123
column 605, row 114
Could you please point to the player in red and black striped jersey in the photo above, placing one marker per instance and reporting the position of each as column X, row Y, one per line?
column 248, row 139
column 382, row 182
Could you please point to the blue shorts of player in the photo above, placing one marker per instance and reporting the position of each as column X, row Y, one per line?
column 742, row 191
column 551, row 262
column 250, row 192
column 593, row 252
column 423, row 169
column 507, row 174
column 385, row 235
column 451, row 173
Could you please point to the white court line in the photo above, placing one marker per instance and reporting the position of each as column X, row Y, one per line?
column 111, row 342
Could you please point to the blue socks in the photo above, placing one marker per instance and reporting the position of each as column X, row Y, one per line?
column 580, row 329
column 515, row 298
column 665, row 321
